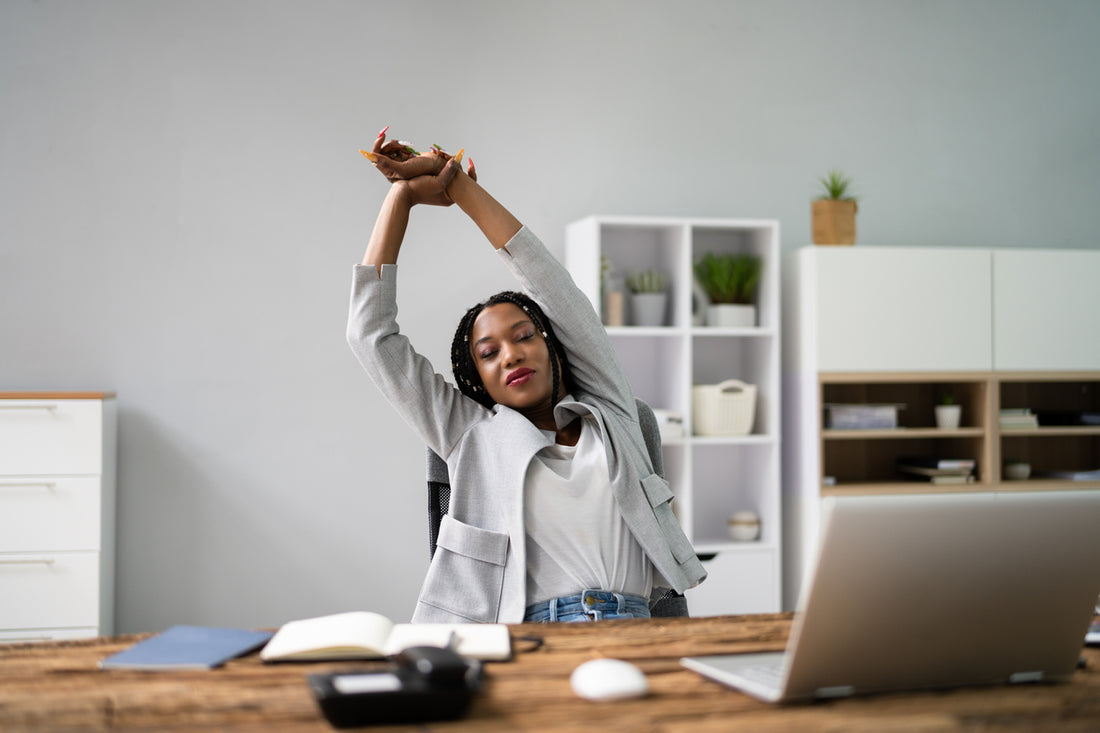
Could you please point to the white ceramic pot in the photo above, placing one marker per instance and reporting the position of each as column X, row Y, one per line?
column 728, row 315
column 648, row 309
column 948, row 416
column 744, row 526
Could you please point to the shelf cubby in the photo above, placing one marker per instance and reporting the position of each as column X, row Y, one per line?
column 865, row 461
column 1059, row 443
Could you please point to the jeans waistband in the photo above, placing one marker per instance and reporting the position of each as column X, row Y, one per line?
column 597, row 604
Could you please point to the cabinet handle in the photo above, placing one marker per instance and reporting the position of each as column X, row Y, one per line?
column 47, row 408
column 35, row 561
column 28, row 485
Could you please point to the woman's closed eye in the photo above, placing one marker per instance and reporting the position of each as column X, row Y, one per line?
column 490, row 351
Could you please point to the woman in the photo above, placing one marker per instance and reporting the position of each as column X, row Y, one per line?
column 555, row 513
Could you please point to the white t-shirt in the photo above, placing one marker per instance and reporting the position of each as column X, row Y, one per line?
column 576, row 537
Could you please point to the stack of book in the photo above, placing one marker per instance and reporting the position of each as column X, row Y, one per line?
column 1018, row 418
column 938, row 470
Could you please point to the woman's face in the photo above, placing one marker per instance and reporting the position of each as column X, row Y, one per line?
column 511, row 356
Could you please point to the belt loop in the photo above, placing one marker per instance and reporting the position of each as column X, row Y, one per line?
column 621, row 601
column 553, row 610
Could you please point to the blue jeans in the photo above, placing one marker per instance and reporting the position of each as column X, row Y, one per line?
column 588, row 605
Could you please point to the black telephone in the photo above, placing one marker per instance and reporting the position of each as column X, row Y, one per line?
column 426, row 683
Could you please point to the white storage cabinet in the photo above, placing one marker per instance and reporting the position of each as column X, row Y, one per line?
column 998, row 327
column 57, row 510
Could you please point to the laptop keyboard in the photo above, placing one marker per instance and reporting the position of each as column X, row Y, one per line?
column 768, row 673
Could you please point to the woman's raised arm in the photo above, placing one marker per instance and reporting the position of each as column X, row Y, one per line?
column 496, row 222
column 389, row 228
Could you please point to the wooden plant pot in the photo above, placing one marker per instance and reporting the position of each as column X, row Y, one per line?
column 834, row 222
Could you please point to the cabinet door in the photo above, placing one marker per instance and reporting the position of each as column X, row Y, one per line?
column 1046, row 310
column 738, row 581
column 899, row 309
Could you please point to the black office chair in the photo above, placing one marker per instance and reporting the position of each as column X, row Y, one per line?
column 668, row 603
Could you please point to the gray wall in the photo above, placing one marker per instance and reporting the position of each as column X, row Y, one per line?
column 181, row 202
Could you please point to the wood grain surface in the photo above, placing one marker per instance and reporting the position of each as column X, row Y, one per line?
column 57, row 686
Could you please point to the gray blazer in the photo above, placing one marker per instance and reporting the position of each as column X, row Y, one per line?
column 479, row 569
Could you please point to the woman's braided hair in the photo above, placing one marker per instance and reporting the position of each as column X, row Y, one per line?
column 462, row 361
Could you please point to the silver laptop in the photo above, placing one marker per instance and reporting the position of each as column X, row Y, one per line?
column 935, row 591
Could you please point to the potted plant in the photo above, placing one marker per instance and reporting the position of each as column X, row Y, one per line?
column 648, row 297
column 948, row 413
column 730, row 282
column 834, row 211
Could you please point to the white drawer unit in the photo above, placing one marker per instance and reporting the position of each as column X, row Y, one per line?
column 57, row 514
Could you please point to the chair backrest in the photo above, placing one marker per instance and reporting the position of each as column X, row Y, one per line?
column 439, row 500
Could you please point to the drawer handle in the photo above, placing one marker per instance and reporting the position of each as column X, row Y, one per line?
column 35, row 561
column 47, row 408
column 28, row 485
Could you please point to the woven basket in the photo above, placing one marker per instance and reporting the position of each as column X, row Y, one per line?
column 726, row 408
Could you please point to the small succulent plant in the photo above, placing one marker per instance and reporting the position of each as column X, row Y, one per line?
column 835, row 186
column 729, row 278
column 647, row 281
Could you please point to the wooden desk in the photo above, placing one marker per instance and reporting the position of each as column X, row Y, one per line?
column 57, row 686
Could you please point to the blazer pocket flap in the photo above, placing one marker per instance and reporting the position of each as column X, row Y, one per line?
column 656, row 490
column 469, row 541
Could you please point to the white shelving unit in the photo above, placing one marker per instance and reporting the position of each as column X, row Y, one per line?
column 712, row 477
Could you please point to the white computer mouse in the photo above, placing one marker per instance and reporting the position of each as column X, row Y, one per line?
column 608, row 679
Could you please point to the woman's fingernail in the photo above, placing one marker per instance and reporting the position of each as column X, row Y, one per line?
column 383, row 131
column 369, row 155
column 458, row 155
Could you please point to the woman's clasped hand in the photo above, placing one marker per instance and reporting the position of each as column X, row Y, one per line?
column 425, row 176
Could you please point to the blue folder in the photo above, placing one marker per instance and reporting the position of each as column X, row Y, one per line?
column 187, row 647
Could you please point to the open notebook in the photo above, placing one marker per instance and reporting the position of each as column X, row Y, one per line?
column 935, row 591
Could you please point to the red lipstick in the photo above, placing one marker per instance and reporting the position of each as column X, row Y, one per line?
column 519, row 376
